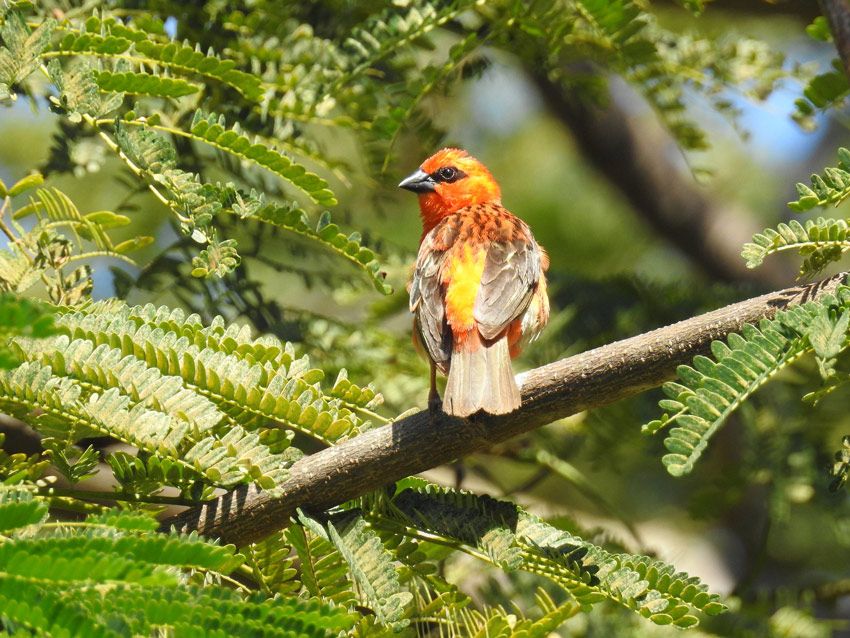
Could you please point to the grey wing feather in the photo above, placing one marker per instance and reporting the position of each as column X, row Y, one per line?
column 426, row 303
column 511, row 272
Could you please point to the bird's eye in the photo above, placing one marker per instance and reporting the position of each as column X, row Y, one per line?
column 448, row 174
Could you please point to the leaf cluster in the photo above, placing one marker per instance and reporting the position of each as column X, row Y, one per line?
column 708, row 392
column 110, row 575
column 233, row 119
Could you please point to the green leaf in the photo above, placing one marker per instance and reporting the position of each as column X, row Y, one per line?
column 178, row 58
column 827, row 335
column 21, row 50
column 587, row 572
column 749, row 361
column 19, row 508
column 26, row 183
column 74, row 465
column 145, row 84
column 373, row 570
column 819, row 30
column 184, row 58
column 323, row 571
column 821, row 241
column 211, row 129
column 328, row 234
column 832, row 187
column 217, row 259
column 22, row 317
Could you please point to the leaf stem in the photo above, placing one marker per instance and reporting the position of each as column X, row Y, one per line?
column 87, row 495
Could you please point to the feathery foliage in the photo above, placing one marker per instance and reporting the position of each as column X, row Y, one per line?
column 502, row 533
column 209, row 401
column 111, row 576
column 234, row 122
column 820, row 241
column 707, row 393
column 833, row 187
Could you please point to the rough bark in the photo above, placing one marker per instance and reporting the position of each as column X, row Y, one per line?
column 423, row 440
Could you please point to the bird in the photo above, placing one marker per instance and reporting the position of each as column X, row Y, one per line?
column 478, row 292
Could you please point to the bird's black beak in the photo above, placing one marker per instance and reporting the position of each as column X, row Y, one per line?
column 418, row 182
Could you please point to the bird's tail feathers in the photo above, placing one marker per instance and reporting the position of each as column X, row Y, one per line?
column 481, row 378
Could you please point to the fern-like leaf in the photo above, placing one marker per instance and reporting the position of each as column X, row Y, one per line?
column 586, row 571
column 112, row 575
column 386, row 33
column 105, row 368
column 323, row 572
column 290, row 394
column 179, row 58
column 819, row 240
column 21, row 49
column 212, row 129
column 712, row 389
column 19, row 507
column 499, row 623
column 329, row 235
column 371, row 565
column 833, row 187
column 272, row 565
column 144, row 84
column 54, row 209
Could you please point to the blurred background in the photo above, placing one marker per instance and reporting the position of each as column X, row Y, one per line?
column 640, row 233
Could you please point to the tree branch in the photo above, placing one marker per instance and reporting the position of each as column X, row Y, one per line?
column 423, row 441
column 837, row 14
column 632, row 157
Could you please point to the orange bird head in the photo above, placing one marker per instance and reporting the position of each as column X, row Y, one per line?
column 447, row 181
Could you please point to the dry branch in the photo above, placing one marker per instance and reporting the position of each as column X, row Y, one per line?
column 423, row 441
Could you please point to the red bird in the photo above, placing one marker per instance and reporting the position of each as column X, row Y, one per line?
column 478, row 293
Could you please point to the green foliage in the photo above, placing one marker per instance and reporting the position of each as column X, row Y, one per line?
column 272, row 565
column 208, row 400
column 110, row 60
column 282, row 81
column 498, row 622
column 22, row 317
column 241, row 129
column 328, row 235
column 19, row 56
column 105, row 38
column 323, row 572
column 501, row 533
column 820, row 241
column 110, row 576
column 44, row 254
column 833, row 187
column 824, row 91
column 213, row 130
column 20, row 508
column 707, row 393
column 371, row 566
column 144, row 84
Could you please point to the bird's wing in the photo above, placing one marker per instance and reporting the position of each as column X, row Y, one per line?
column 427, row 293
column 511, row 271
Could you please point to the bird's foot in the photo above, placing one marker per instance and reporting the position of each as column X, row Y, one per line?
column 435, row 404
